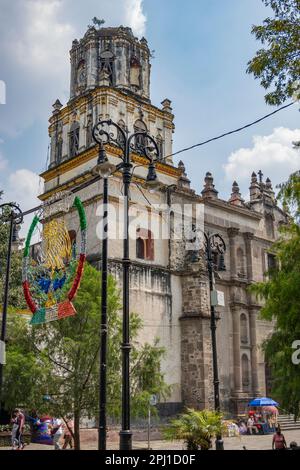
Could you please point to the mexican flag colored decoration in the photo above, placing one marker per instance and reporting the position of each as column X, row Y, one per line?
column 48, row 274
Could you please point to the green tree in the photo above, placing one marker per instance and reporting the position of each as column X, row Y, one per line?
column 281, row 294
column 195, row 428
column 277, row 64
column 67, row 351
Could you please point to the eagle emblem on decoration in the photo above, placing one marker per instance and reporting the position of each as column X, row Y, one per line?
column 51, row 281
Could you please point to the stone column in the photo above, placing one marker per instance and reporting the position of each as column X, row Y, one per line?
column 253, row 342
column 248, row 237
column 236, row 349
column 196, row 349
column 92, row 63
column 232, row 233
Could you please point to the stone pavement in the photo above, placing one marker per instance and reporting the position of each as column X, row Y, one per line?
column 230, row 443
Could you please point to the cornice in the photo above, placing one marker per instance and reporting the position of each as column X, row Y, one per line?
column 88, row 155
column 111, row 93
column 224, row 205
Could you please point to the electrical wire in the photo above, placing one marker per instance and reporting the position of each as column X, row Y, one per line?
column 230, row 132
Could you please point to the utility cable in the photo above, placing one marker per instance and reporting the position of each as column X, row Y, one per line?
column 230, row 132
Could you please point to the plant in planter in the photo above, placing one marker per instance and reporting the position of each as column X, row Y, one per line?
column 195, row 428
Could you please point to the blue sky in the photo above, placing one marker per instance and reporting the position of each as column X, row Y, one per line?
column 201, row 53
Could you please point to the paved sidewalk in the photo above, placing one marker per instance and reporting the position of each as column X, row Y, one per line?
column 230, row 443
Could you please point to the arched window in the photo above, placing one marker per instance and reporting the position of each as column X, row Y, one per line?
column 120, row 138
column 139, row 126
column 59, row 148
column 160, row 145
column 244, row 328
column 240, row 262
column 107, row 65
column 74, row 139
column 135, row 72
column 140, row 248
column 269, row 226
column 81, row 75
column 144, row 244
column 245, row 371
column 72, row 235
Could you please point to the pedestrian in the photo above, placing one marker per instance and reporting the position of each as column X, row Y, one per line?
column 56, row 432
column 20, row 421
column 68, row 432
column 251, row 425
column 15, row 427
column 278, row 442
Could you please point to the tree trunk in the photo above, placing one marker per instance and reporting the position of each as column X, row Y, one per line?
column 76, row 430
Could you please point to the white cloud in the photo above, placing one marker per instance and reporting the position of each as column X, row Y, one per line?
column 273, row 154
column 23, row 186
column 3, row 162
column 42, row 41
column 134, row 16
column 35, row 39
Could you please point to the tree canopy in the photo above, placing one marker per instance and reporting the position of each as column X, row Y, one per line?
column 61, row 360
column 277, row 64
column 281, row 294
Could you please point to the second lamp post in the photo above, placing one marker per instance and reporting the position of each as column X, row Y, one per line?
column 214, row 243
column 108, row 132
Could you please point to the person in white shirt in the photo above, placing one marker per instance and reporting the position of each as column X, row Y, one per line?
column 56, row 432
column 250, row 425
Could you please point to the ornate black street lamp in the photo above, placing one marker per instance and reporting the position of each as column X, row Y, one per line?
column 108, row 132
column 12, row 214
column 214, row 243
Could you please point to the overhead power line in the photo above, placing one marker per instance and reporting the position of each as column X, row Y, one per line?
column 97, row 178
column 231, row 132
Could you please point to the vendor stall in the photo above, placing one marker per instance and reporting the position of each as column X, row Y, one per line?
column 264, row 412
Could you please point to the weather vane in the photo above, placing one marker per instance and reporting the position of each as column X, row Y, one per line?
column 96, row 22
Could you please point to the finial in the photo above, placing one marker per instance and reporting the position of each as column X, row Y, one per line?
column 209, row 187
column 166, row 105
column 236, row 197
column 181, row 167
column 57, row 106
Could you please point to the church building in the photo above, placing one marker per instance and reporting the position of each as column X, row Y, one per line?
column 169, row 285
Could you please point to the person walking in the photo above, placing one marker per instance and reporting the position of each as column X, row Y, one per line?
column 68, row 432
column 15, row 427
column 278, row 442
column 56, row 432
column 20, row 421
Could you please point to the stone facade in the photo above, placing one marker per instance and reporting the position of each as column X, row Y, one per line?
column 110, row 76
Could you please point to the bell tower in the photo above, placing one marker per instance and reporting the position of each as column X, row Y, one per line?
column 113, row 55
column 110, row 79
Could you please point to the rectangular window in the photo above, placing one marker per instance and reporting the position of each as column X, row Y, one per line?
column 272, row 263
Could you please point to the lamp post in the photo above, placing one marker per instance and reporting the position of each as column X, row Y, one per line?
column 108, row 132
column 10, row 213
column 214, row 243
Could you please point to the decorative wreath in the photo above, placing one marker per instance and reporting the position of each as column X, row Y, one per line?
column 46, row 278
